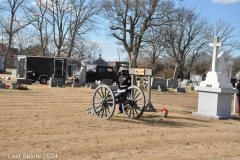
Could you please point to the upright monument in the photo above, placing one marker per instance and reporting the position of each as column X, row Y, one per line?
column 215, row 93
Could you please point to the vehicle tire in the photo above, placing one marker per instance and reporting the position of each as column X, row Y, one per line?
column 91, row 79
column 43, row 80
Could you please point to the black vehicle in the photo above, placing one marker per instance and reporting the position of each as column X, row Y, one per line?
column 41, row 68
column 95, row 72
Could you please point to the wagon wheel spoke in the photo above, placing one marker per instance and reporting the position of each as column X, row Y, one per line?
column 103, row 102
column 135, row 104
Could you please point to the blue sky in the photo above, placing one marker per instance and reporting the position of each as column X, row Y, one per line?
column 226, row 10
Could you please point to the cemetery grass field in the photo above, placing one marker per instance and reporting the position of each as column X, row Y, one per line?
column 51, row 123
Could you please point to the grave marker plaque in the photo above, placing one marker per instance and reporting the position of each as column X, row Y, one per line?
column 139, row 71
column 181, row 90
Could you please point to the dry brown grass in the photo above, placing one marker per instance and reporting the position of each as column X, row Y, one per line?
column 53, row 120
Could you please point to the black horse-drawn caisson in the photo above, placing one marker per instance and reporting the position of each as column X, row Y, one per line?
column 104, row 101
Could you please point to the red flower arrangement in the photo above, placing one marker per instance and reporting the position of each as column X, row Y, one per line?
column 164, row 112
column 7, row 86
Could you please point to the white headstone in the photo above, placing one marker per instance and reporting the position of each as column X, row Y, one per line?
column 82, row 77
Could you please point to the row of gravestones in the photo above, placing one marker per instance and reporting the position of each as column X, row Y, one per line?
column 59, row 82
column 108, row 82
column 162, row 84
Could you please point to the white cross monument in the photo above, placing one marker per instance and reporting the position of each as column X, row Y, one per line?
column 214, row 78
column 215, row 95
column 215, row 46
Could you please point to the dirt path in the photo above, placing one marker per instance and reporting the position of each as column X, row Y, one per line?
column 45, row 120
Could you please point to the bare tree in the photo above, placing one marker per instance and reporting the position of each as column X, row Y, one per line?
column 184, row 38
column 91, row 49
column 82, row 20
column 11, row 23
column 26, row 39
column 71, row 20
column 153, row 46
column 226, row 33
column 130, row 19
column 58, row 16
column 236, row 66
column 202, row 64
column 37, row 13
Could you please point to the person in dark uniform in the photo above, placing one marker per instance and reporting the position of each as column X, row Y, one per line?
column 238, row 95
column 123, row 82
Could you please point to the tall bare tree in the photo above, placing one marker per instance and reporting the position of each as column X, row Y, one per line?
column 37, row 13
column 153, row 46
column 91, row 49
column 11, row 22
column 59, row 18
column 71, row 20
column 184, row 38
column 226, row 33
column 82, row 20
column 130, row 19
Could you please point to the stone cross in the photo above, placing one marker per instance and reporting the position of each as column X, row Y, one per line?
column 215, row 46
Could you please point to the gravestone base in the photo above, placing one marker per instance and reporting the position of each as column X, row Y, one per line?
column 107, row 82
column 56, row 82
column 25, row 81
column 87, row 85
column 76, row 84
column 215, row 103
column 93, row 86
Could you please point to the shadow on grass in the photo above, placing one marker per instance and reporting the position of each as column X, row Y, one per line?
column 156, row 120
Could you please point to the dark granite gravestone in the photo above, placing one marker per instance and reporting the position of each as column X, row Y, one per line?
column 56, row 82
column 155, row 82
column 172, row 83
column 181, row 90
column 162, row 88
column 76, row 84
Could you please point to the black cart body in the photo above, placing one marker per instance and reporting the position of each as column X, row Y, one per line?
column 41, row 68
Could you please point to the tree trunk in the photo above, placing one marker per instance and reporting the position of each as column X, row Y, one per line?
column 181, row 72
column 6, row 54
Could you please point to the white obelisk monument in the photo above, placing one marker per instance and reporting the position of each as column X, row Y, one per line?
column 215, row 93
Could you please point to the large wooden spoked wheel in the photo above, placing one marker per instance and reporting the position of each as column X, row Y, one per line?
column 136, row 103
column 103, row 102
